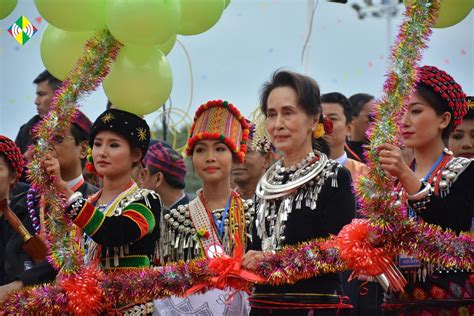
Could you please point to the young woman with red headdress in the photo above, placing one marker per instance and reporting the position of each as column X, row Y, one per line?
column 437, row 188
column 217, row 222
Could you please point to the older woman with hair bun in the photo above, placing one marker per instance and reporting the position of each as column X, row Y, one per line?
column 303, row 196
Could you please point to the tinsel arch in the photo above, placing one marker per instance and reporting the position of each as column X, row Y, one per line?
column 86, row 290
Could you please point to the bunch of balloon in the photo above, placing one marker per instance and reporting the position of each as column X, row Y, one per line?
column 7, row 7
column 71, row 24
column 140, row 80
column 451, row 12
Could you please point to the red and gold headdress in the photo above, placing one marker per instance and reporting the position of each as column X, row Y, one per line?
column 445, row 86
column 220, row 120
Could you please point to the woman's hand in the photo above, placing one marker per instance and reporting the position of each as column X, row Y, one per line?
column 393, row 163
column 251, row 259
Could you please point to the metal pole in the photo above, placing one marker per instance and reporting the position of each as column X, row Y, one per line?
column 307, row 49
column 164, row 122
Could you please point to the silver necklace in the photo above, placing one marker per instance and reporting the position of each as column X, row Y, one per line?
column 277, row 200
column 267, row 190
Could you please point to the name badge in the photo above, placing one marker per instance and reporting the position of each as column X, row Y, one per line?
column 405, row 262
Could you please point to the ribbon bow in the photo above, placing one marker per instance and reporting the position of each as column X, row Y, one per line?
column 229, row 273
column 354, row 242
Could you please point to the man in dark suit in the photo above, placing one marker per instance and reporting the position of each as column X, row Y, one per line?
column 66, row 162
column 46, row 84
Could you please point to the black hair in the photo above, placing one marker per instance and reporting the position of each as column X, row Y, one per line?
column 306, row 88
column 79, row 134
column 469, row 115
column 307, row 93
column 357, row 102
column 339, row 98
column 438, row 104
column 11, row 170
column 79, row 137
column 170, row 179
column 53, row 82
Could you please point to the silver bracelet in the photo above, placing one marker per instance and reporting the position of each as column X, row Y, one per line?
column 420, row 194
column 73, row 198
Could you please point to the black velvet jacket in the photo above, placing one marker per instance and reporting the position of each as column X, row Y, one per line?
column 335, row 208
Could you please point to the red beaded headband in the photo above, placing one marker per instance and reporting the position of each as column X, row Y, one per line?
column 13, row 155
column 445, row 86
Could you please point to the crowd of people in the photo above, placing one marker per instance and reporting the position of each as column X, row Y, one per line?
column 283, row 180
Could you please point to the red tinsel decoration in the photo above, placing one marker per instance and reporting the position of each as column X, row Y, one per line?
column 354, row 242
column 84, row 292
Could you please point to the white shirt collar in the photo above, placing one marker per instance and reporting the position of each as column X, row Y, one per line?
column 73, row 182
column 342, row 159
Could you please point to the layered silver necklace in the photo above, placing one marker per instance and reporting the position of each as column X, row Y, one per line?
column 283, row 189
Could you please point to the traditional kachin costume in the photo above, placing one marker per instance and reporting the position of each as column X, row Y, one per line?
column 121, row 234
column 311, row 199
column 194, row 230
column 445, row 199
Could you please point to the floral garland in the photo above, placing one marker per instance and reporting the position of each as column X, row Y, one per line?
column 391, row 230
column 100, row 51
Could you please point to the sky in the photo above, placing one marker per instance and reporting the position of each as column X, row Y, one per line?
column 232, row 60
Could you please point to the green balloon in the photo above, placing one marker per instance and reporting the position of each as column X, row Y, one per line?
column 140, row 80
column 149, row 22
column 61, row 49
column 7, row 7
column 73, row 15
column 199, row 16
column 227, row 2
column 167, row 46
column 451, row 12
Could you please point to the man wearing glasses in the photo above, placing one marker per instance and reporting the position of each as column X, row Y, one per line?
column 66, row 162
column 362, row 107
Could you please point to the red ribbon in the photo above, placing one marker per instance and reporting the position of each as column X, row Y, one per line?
column 354, row 242
column 229, row 273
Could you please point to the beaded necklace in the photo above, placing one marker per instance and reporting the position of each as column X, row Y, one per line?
column 33, row 204
column 227, row 225
column 433, row 177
